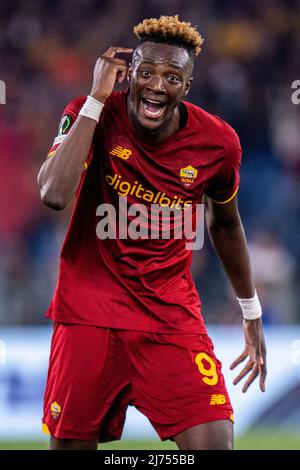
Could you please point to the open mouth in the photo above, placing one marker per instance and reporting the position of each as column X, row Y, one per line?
column 152, row 109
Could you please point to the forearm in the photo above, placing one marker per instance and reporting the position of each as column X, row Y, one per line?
column 230, row 244
column 60, row 174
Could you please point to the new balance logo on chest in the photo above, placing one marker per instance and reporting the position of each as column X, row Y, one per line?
column 121, row 152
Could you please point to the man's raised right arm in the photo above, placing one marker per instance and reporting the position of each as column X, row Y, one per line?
column 60, row 174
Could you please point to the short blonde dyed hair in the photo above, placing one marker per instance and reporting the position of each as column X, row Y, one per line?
column 169, row 29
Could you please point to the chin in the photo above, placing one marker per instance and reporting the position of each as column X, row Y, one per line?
column 147, row 125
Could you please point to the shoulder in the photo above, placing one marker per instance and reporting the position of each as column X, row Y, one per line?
column 75, row 105
column 215, row 127
column 116, row 99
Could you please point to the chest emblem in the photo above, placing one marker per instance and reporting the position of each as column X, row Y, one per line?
column 188, row 175
column 121, row 152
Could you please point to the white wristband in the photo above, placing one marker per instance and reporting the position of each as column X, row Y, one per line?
column 92, row 108
column 251, row 307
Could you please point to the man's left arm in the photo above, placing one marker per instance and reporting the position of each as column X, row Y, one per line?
column 228, row 239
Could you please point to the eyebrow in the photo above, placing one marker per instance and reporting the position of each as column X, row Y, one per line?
column 178, row 67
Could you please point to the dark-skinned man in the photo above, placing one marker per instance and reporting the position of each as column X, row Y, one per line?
column 128, row 328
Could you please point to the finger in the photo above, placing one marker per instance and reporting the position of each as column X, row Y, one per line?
column 258, row 358
column 262, row 378
column 240, row 359
column 251, row 378
column 121, row 75
column 114, row 61
column 112, row 51
column 121, row 72
column 244, row 372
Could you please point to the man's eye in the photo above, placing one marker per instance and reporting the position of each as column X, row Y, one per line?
column 145, row 73
column 173, row 79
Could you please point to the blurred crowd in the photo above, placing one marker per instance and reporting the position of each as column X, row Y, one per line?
column 244, row 73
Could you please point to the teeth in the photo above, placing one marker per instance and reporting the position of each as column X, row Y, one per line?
column 154, row 102
column 153, row 114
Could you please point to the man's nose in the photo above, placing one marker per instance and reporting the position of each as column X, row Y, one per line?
column 157, row 84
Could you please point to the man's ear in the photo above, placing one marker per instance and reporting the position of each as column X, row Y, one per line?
column 129, row 73
column 187, row 87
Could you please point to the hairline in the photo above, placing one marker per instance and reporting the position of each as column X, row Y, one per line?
column 189, row 64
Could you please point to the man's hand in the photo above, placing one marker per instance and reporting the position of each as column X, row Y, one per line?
column 255, row 349
column 107, row 71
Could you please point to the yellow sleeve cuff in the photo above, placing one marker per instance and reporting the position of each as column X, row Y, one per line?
column 227, row 200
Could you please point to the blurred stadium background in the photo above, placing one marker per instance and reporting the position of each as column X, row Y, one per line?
column 244, row 74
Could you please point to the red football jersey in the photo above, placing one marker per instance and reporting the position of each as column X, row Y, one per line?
column 140, row 284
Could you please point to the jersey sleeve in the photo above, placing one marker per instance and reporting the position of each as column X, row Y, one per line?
column 67, row 120
column 224, row 185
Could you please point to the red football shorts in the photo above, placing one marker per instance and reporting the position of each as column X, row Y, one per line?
column 95, row 373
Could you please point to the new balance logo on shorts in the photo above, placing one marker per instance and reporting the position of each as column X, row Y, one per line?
column 217, row 399
column 121, row 152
